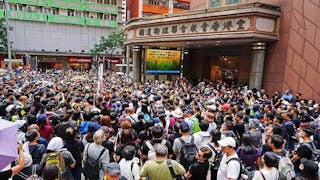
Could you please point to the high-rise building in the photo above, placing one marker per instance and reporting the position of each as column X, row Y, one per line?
column 60, row 33
column 142, row 8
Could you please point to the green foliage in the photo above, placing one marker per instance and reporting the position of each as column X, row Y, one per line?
column 3, row 39
column 114, row 41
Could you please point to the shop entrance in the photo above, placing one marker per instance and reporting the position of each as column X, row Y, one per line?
column 225, row 68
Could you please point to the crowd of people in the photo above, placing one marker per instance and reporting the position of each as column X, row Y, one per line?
column 157, row 130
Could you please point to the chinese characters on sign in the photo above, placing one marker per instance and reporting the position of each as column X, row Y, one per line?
column 212, row 26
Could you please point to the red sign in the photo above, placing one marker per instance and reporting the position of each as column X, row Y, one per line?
column 114, row 60
column 80, row 60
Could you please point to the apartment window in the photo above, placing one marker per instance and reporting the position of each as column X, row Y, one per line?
column 100, row 1
column 154, row 2
column 85, row 14
column 113, row 17
column 22, row 7
column 232, row 2
column 55, row 10
column 215, row 3
column 39, row 9
column 113, row 2
column 70, row 12
column 100, row 15
column 78, row 13
column 13, row 7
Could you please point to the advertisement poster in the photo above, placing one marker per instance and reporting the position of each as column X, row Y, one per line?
column 163, row 61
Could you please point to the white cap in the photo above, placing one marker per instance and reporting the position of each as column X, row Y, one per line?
column 228, row 141
column 212, row 107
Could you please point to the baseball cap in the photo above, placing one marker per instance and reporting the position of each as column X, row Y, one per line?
column 228, row 141
column 113, row 168
column 184, row 126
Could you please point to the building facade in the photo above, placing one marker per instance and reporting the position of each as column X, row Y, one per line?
column 60, row 33
column 143, row 8
column 270, row 44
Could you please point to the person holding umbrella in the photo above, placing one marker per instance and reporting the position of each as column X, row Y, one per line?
column 16, row 169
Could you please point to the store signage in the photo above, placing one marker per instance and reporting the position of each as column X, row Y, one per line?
column 101, row 23
column 209, row 26
column 67, row 4
column 29, row 16
column 65, row 19
column 103, row 8
column 113, row 60
column 80, row 60
column 30, row 2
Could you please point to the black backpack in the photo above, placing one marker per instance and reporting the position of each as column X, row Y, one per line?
column 217, row 159
column 91, row 166
column 188, row 152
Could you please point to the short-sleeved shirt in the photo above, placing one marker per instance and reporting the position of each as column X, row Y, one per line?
column 199, row 170
column 249, row 159
column 36, row 151
column 145, row 149
column 159, row 170
column 230, row 170
column 46, row 132
column 267, row 174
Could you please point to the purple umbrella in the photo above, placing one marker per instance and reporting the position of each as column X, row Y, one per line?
column 8, row 143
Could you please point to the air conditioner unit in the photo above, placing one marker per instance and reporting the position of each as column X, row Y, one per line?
column 31, row 8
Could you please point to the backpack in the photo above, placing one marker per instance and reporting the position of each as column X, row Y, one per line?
column 152, row 151
column 315, row 151
column 285, row 168
column 215, row 164
column 204, row 139
column 91, row 167
column 187, row 152
column 54, row 166
column 196, row 127
column 244, row 174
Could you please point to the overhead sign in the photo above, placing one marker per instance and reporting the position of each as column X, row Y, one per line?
column 67, row 4
column 29, row 16
column 30, row 2
column 208, row 26
column 66, row 19
column 101, row 23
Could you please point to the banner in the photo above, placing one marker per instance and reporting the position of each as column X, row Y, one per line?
column 1, row 13
column 100, row 79
column 30, row 2
column 65, row 19
column 163, row 61
column 103, row 8
column 67, row 4
column 29, row 16
column 101, row 23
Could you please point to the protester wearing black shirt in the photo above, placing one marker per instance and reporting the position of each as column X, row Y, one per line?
column 199, row 169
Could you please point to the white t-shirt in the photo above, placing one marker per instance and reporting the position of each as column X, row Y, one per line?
column 268, row 174
column 230, row 170
column 201, row 138
column 126, row 171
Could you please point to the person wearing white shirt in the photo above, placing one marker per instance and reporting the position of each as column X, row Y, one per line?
column 202, row 137
column 229, row 169
column 129, row 167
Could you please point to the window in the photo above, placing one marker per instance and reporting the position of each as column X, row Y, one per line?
column 70, row 12
column 13, row 7
column 55, row 10
column 113, row 2
column 85, row 14
column 113, row 17
column 215, row 3
column 100, row 15
column 39, row 9
column 22, row 7
column 154, row 2
column 232, row 2
column 78, row 13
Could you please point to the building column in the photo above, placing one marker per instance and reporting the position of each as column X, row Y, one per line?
column 140, row 8
column 170, row 6
column 136, row 63
column 257, row 64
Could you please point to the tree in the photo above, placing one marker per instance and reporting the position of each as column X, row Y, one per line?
column 4, row 39
column 115, row 40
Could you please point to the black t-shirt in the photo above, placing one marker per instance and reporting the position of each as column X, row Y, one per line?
column 199, row 170
column 145, row 148
column 239, row 129
column 75, row 148
column 36, row 151
column 6, row 174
